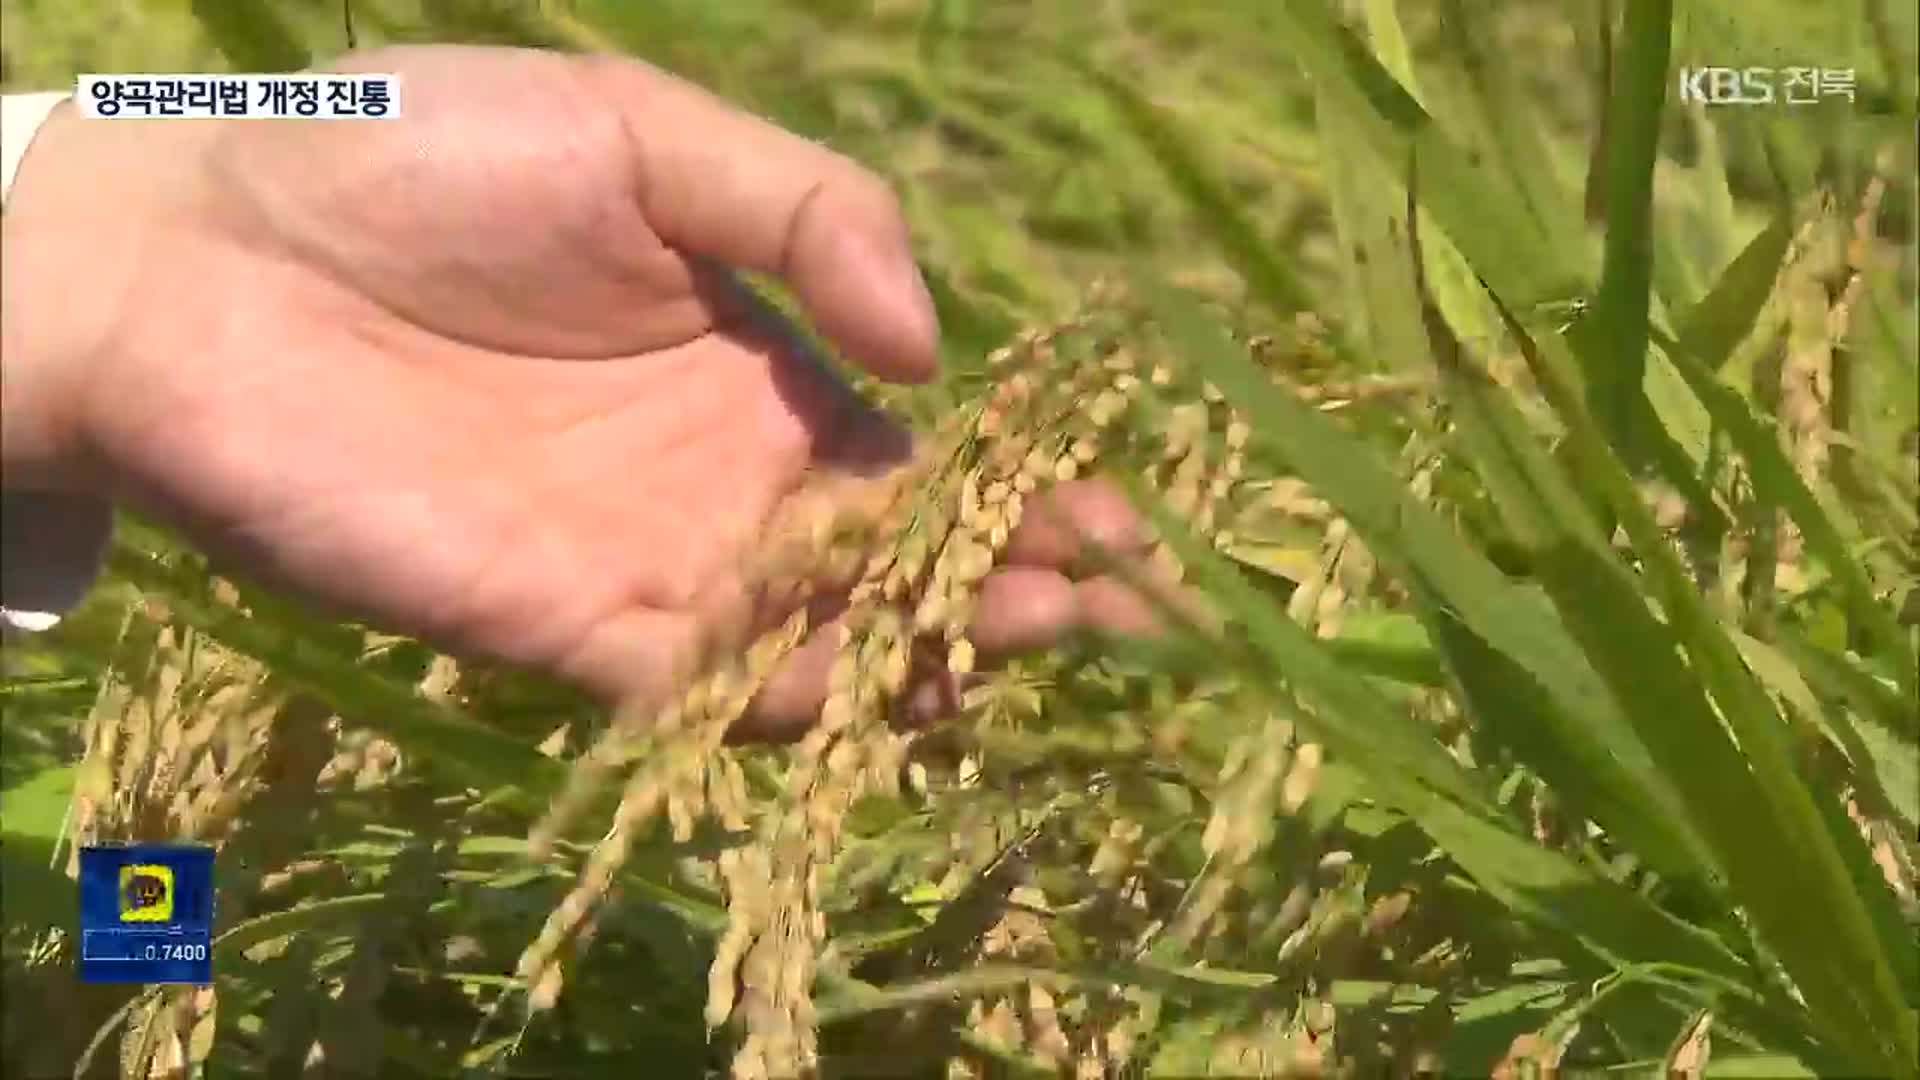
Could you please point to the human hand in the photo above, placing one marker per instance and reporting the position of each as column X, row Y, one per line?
column 479, row 373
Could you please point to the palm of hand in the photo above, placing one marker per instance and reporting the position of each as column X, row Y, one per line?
column 465, row 384
column 479, row 375
column 543, row 512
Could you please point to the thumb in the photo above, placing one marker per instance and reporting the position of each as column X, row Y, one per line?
column 720, row 183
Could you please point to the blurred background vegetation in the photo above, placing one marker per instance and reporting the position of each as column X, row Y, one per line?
column 372, row 799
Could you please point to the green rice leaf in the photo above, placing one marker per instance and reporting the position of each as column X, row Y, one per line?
column 1778, row 853
column 244, row 935
column 1407, row 770
column 1776, row 481
column 479, row 754
column 1726, row 315
column 1593, row 731
column 1467, row 194
column 253, row 37
column 1616, row 364
column 1215, row 209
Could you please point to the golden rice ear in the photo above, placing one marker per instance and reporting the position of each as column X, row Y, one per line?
column 919, row 586
column 921, row 541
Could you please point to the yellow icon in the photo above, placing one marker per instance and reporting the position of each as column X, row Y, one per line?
column 146, row 893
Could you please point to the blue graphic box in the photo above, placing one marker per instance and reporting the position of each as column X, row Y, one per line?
column 146, row 913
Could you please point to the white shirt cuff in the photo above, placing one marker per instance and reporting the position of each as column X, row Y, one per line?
column 20, row 118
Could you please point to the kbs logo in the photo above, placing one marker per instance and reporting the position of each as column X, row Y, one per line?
column 146, row 893
column 1727, row 86
column 1764, row 85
